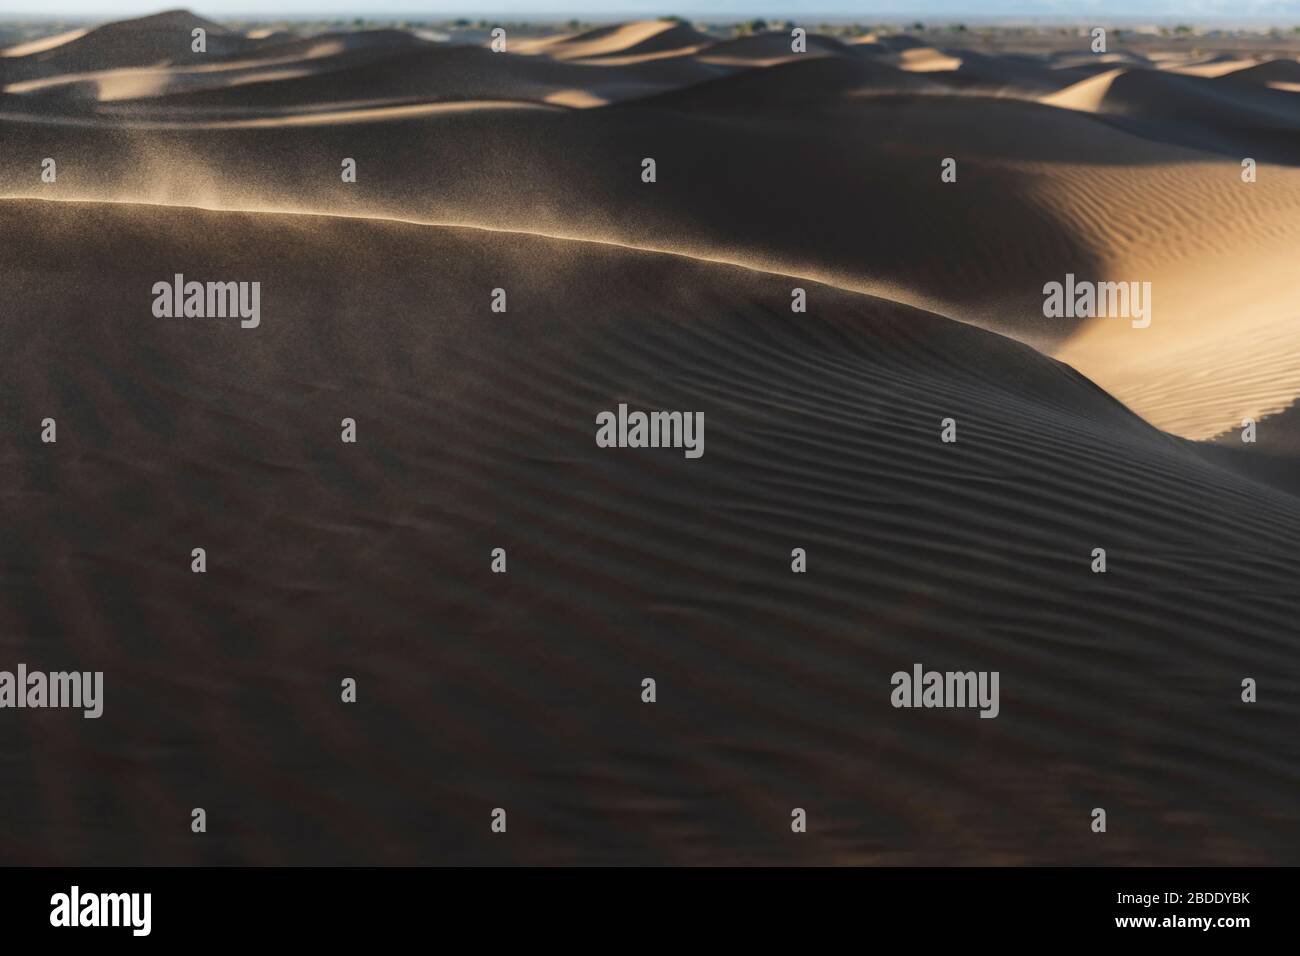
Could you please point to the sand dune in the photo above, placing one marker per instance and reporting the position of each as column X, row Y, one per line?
column 523, row 170
column 1209, row 114
column 1209, row 66
column 43, row 44
column 1082, row 59
column 1016, row 75
column 927, row 59
column 899, row 42
column 1070, row 194
column 477, row 432
column 278, row 60
column 1210, row 102
column 333, row 43
column 812, row 80
column 765, row 49
column 146, row 41
column 1087, row 95
column 642, row 38
column 1282, row 75
column 443, row 73
column 1272, row 71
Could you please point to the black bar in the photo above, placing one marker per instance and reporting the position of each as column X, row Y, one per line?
column 332, row 906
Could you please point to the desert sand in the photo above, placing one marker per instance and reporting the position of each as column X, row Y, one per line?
column 522, row 170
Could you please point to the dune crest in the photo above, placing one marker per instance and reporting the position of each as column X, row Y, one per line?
column 1088, row 95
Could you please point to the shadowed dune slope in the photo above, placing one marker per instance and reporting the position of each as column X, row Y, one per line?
column 1272, row 71
column 859, row 211
column 475, row 431
column 1213, row 114
column 314, row 45
column 1202, row 101
column 968, row 69
column 772, row 47
column 1274, row 455
column 900, row 42
column 820, row 80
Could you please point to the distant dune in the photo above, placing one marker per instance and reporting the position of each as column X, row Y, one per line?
column 774, row 171
column 1272, row 71
column 161, row 39
column 44, row 43
column 768, row 48
column 622, row 40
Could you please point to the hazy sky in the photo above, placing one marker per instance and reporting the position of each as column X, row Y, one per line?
column 1280, row 11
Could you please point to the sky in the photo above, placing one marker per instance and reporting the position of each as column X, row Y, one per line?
column 1076, row 11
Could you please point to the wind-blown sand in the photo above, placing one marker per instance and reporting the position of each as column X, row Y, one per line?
column 475, row 431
